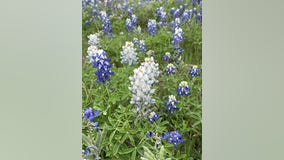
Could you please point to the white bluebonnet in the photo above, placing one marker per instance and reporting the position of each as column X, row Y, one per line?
column 128, row 54
column 152, row 27
column 94, row 40
column 167, row 57
column 141, row 85
column 170, row 69
column 171, row 104
column 92, row 51
column 183, row 89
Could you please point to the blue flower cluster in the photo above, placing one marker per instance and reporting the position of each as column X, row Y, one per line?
column 175, row 24
column 128, row 54
column 101, row 62
column 106, row 26
column 152, row 27
column 131, row 23
column 167, row 57
column 170, row 69
column 150, row 134
column 177, row 37
column 162, row 16
column 171, row 104
column 173, row 137
column 183, row 89
column 90, row 114
column 153, row 117
column 142, row 46
column 194, row 71
column 186, row 15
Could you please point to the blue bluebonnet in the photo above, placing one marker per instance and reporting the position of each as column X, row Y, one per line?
column 193, row 2
column 130, row 11
column 194, row 71
column 129, row 25
column 170, row 69
column 183, row 89
column 172, row 11
column 134, row 19
column 102, row 63
column 90, row 114
column 171, row 104
column 96, row 126
column 142, row 46
column 87, row 151
column 199, row 17
column 177, row 13
column 162, row 16
column 194, row 10
column 173, row 137
column 175, row 24
column 186, row 15
column 198, row 1
column 95, row 12
column 128, row 54
column 135, row 41
column 152, row 27
column 167, row 57
column 153, row 117
column 150, row 134
column 106, row 25
column 177, row 37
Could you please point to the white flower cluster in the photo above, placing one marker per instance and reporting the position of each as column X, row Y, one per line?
column 129, row 54
column 92, row 52
column 141, row 84
column 94, row 40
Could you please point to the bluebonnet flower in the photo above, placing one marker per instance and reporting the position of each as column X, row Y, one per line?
column 141, row 85
column 92, row 51
column 90, row 114
column 106, row 26
column 150, row 134
column 152, row 27
column 183, row 89
column 198, row 1
column 96, row 126
column 135, row 41
column 142, row 46
column 199, row 17
column 170, row 69
column 175, row 24
column 153, row 117
column 177, row 37
column 193, row 2
column 162, row 15
column 177, row 13
column 167, row 57
column 124, row 6
column 87, row 151
column 130, row 11
column 171, row 104
column 94, row 40
column 186, row 15
column 194, row 10
column 128, row 54
column 173, row 137
column 134, row 19
column 172, row 11
column 129, row 25
column 95, row 12
column 194, row 71
column 101, row 62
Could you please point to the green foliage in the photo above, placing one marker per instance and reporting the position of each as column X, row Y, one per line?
column 122, row 136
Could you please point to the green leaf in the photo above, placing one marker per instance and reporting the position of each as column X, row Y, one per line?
column 115, row 148
column 133, row 156
column 126, row 151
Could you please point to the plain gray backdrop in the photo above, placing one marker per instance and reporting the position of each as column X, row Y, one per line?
column 40, row 81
